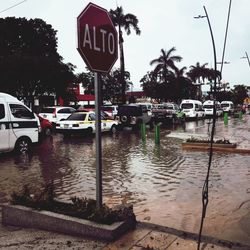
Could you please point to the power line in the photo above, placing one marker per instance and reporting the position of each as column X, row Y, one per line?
column 12, row 6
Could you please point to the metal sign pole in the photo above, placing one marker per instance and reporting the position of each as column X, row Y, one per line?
column 98, row 142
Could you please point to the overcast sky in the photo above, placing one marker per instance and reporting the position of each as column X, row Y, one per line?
column 164, row 24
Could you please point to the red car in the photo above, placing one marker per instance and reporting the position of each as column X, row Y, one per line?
column 46, row 126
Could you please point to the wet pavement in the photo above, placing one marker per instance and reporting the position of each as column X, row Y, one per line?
column 144, row 237
column 163, row 182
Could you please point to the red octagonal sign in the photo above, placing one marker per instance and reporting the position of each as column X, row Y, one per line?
column 97, row 38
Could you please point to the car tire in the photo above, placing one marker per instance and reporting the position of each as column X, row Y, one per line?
column 113, row 129
column 23, row 145
column 124, row 118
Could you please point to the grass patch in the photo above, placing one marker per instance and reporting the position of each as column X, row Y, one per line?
column 83, row 208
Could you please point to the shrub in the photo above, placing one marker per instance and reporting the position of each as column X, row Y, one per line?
column 83, row 208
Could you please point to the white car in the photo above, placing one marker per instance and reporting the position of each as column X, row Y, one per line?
column 227, row 106
column 192, row 109
column 84, row 122
column 19, row 126
column 208, row 107
column 56, row 113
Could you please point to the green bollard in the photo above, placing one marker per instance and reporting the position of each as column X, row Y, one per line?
column 143, row 131
column 226, row 118
column 157, row 134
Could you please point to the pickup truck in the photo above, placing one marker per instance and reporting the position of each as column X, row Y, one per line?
column 168, row 112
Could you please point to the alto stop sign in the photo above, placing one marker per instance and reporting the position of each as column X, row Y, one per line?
column 97, row 38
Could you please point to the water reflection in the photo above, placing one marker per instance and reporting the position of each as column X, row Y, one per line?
column 163, row 182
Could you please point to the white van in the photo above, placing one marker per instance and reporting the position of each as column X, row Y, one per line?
column 208, row 107
column 19, row 127
column 227, row 106
column 192, row 108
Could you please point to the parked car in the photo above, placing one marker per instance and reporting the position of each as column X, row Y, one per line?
column 227, row 106
column 19, row 126
column 192, row 109
column 133, row 115
column 46, row 126
column 208, row 107
column 148, row 106
column 168, row 112
column 103, row 113
column 84, row 122
column 111, row 110
column 56, row 113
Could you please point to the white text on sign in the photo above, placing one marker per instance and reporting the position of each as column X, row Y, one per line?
column 106, row 38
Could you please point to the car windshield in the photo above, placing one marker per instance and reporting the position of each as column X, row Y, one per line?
column 48, row 110
column 208, row 106
column 187, row 105
column 76, row 117
column 224, row 105
column 130, row 110
column 168, row 107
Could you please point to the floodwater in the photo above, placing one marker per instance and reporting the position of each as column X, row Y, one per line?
column 163, row 182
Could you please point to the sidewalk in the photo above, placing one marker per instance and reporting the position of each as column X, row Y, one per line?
column 145, row 237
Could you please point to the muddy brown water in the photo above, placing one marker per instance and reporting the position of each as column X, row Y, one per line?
column 163, row 182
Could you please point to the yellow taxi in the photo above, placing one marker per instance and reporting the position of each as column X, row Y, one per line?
column 84, row 122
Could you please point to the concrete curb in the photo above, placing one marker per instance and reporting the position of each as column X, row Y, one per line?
column 191, row 146
column 207, row 144
column 15, row 215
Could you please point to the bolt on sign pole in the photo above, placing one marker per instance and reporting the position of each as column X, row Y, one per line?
column 98, row 46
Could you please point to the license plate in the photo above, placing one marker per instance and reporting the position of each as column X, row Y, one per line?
column 66, row 126
column 44, row 116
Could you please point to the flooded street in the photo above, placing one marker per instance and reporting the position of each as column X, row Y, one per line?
column 163, row 182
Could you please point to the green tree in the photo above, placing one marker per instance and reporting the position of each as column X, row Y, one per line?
column 126, row 22
column 181, row 86
column 239, row 93
column 149, row 85
column 111, row 85
column 178, row 86
column 29, row 62
column 165, row 62
column 164, row 73
column 199, row 73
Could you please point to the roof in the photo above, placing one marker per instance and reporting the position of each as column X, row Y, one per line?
column 8, row 97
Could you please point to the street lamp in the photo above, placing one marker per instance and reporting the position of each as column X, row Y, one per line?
column 205, row 186
column 246, row 58
column 212, row 37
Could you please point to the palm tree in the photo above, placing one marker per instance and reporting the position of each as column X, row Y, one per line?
column 126, row 22
column 198, row 72
column 165, row 62
column 201, row 72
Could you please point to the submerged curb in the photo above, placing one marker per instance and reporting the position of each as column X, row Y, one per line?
column 227, row 148
column 16, row 215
